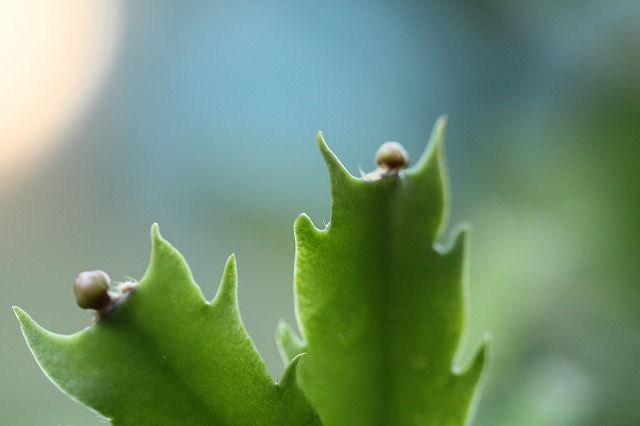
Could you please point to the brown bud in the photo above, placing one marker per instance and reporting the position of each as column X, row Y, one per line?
column 91, row 289
column 392, row 156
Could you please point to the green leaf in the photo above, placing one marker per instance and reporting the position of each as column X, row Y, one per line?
column 165, row 356
column 381, row 303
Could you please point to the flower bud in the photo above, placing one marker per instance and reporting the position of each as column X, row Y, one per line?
column 392, row 156
column 91, row 289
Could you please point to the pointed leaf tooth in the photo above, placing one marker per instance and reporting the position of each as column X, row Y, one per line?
column 27, row 324
column 34, row 334
column 41, row 341
column 435, row 146
column 473, row 371
column 294, row 396
column 55, row 354
column 459, row 241
column 168, row 269
column 290, row 374
column 228, row 289
column 305, row 232
column 289, row 344
column 470, row 381
column 430, row 180
column 339, row 173
column 455, row 255
column 343, row 183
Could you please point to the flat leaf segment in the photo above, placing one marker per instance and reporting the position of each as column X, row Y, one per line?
column 168, row 357
column 380, row 303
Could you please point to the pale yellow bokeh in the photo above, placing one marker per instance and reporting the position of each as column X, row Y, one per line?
column 54, row 55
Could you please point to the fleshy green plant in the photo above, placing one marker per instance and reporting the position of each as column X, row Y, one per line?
column 380, row 304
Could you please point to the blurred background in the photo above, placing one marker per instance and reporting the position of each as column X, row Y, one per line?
column 202, row 116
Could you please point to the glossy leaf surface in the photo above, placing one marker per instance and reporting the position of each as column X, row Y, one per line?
column 381, row 303
column 166, row 356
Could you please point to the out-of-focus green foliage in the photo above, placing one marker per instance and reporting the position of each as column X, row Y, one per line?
column 381, row 303
column 165, row 356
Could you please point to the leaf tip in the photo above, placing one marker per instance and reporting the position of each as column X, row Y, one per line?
column 155, row 231
column 461, row 234
column 167, row 267
column 27, row 324
column 157, row 240
column 228, row 288
column 476, row 369
column 230, row 268
column 434, row 151
column 303, row 224
column 439, row 131
column 305, row 232
column 459, row 239
column 231, row 261
column 443, row 120
column 322, row 144
column 474, row 376
column 337, row 170
column 30, row 329
column 482, row 355
column 20, row 314
column 289, row 377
